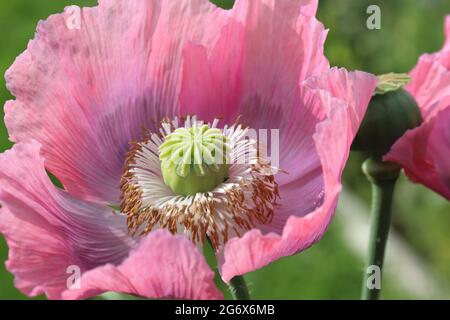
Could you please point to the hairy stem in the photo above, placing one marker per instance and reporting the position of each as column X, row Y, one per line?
column 239, row 289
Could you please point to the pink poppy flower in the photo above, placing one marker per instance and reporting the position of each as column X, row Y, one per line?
column 97, row 105
column 424, row 151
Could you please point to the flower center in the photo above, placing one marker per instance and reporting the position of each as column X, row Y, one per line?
column 198, row 180
column 194, row 159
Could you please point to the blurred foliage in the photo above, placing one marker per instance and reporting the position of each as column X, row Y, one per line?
column 408, row 29
column 329, row 270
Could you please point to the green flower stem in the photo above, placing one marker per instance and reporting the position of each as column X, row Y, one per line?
column 382, row 176
column 237, row 286
column 239, row 289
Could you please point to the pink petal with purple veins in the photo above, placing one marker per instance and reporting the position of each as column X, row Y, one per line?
column 339, row 99
column 162, row 266
column 256, row 67
column 47, row 230
column 424, row 153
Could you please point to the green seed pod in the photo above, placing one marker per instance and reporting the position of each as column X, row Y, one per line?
column 390, row 114
column 194, row 160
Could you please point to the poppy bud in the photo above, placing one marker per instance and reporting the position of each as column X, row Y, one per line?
column 391, row 112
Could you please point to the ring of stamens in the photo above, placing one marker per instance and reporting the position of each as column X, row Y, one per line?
column 245, row 200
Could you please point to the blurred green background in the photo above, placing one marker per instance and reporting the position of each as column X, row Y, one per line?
column 332, row 269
